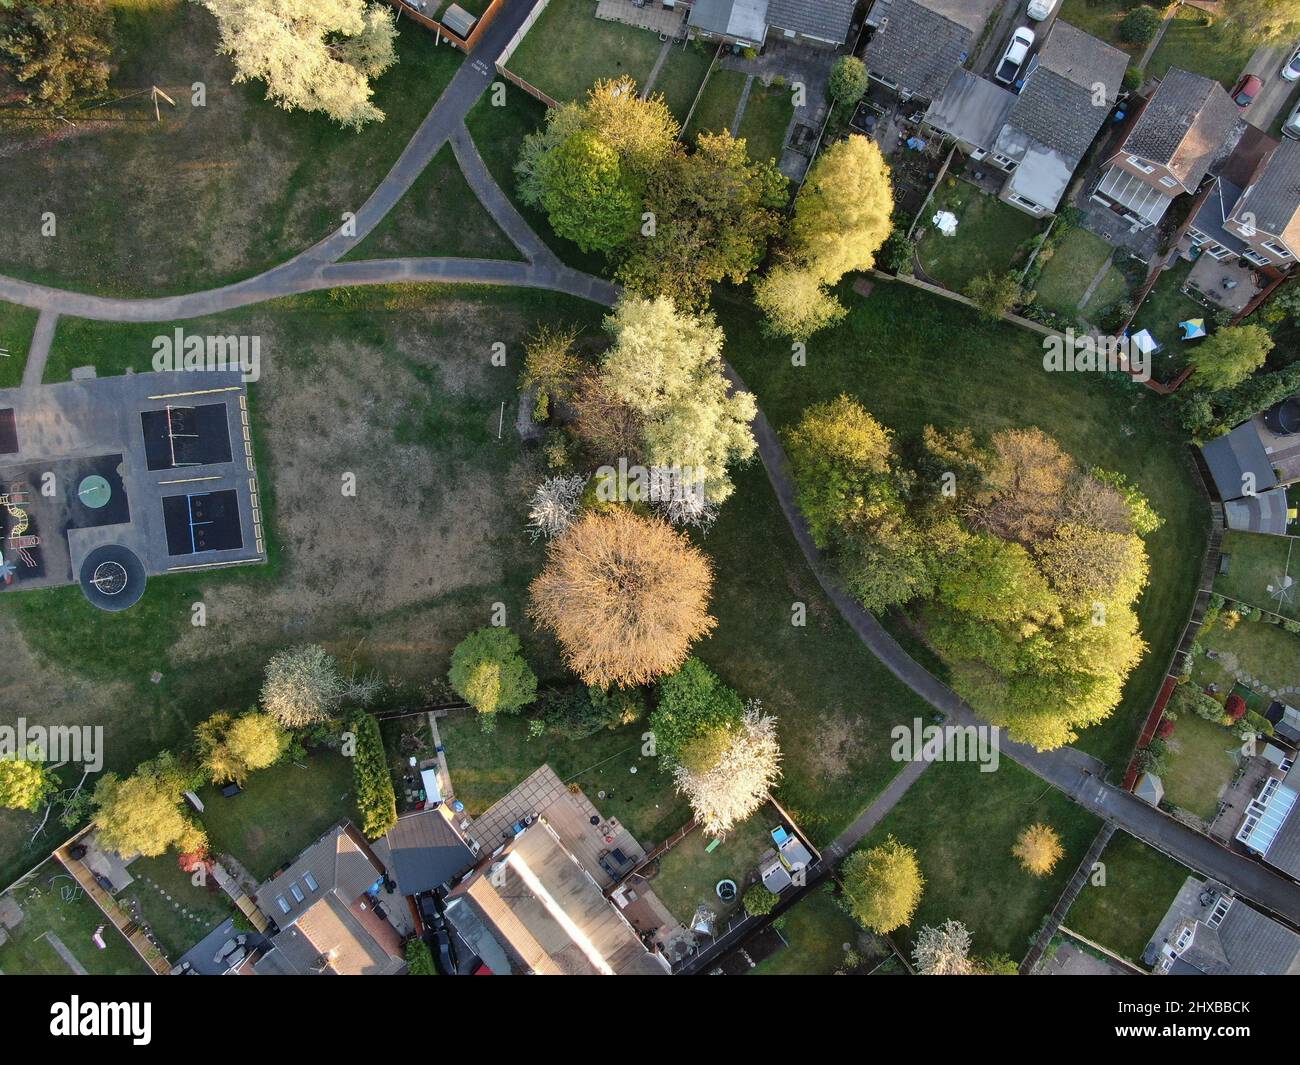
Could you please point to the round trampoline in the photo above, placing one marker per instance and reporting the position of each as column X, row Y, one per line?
column 112, row 577
column 94, row 491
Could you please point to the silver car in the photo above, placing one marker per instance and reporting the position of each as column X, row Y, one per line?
column 1291, row 68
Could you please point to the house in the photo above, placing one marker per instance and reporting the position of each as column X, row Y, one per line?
column 1038, row 136
column 748, row 23
column 916, row 45
column 331, row 911
column 1270, row 828
column 1239, row 465
column 424, row 850
column 548, row 913
column 1258, row 220
column 1179, row 132
column 1208, row 932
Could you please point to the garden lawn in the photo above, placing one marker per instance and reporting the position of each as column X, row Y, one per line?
column 439, row 215
column 1101, row 18
column 210, row 194
column 963, row 824
column 716, row 110
column 1266, row 652
column 29, row 952
column 178, row 912
column 1200, row 763
column 689, row 872
column 1256, row 562
column 913, row 359
column 1165, row 306
column 568, row 49
column 1123, row 913
column 815, row 931
column 681, row 76
column 766, row 121
column 16, row 327
column 1068, row 273
column 1113, row 288
column 1218, row 50
column 280, row 811
column 989, row 236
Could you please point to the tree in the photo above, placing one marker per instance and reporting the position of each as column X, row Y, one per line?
column 1230, row 356
column 1086, row 566
column 1038, row 848
column 58, row 49
column 371, row 776
column 759, row 901
column 1026, row 487
column 318, row 56
column 554, row 505
column 739, row 780
column 419, row 959
column 143, row 815
column 667, row 366
column 994, row 294
column 490, row 673
column 714, row 211
column 302, row 687
column 550, row 365
column 231, row 747
column 1140, row 25
column 625, row 596
column 796, row 302
column 25, row 783
column 588, row 197
column 577, row 712
column 848, row 80
column 607, row 427
column 883, row 885
column 943, row 951
column 693, row 703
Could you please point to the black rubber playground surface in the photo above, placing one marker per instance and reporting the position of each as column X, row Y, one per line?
column 185, row 436
column 208, row 522
column 112, row 577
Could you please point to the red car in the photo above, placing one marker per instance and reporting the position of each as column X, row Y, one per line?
column 1245, row 91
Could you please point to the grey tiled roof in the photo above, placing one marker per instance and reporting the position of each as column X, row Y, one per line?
column 1238, row 453
column 971, row 109
column 1083, row 58
column 1274, row 198
column 1057, row 113
column 916, row 48
column 1185, row 125
column 826, row 20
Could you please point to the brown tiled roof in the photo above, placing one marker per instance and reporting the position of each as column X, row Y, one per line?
column 1185, row 125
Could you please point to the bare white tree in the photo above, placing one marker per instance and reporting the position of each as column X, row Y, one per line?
column 737, row 784
column 943, row 951
column 555, row 505
column 302, row 686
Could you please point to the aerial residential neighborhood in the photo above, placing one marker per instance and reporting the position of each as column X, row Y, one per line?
column 650, row 488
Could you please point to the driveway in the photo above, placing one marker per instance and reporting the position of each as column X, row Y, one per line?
column 1266, row 63
column 1011, row 15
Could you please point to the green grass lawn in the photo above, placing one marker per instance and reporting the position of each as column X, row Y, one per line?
column 280, row 811
column 1123, row 913
column 440, row 215
column 1267, row 652
column 1256, row 562
column 568, row 49
column 816, row 931
column 914, row 358
column 681, row 76
column 1201, row 762
column 1068, row 273
column 1113, row 288
column 963, row 824
column 1218, row 51
column 178, row 912
column 988, row 238
column 16, row 327
column 1165, row 306
column 1101, row 18
column 766, row 120
column 689, row 872
column 74, row 922
column 212, row 193
column 716, row 110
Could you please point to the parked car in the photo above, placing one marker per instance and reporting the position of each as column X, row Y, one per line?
column 431, row 913
column 1015, row 55
column 1291, row 127
column 444, row 952
column 1245, row 91
column 1291, row 68
column 1041, row 9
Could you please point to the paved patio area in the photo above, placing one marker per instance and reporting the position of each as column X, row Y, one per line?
column 1074, row 961
column 1230, row 285
column 1237, row 797
column 648, row 16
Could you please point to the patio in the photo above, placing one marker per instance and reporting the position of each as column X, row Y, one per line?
column 1244, row 787
column 668, row 22
column 1230, row 285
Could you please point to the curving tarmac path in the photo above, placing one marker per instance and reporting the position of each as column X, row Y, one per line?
column 317, row 268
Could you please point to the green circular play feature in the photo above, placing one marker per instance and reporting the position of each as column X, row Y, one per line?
column 94, row 491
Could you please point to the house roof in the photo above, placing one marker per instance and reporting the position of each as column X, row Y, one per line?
column 824, row 20
column 1214, row 213
column 1274, row 197
column 337, row 862
column 1084, row 60
column 1233, row 456
column 1229, row 937
column 1185, row 125
column 549, row 912
column 916, row 46
column 971, row 109
column 1262, row 513
column 745, row 20
column 426, row 851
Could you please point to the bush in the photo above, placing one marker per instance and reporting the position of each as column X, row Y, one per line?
column 1235, row 707
column 1188, row 698
column 419, row 959
column 375, row 796
column 576, row 712
column 1133, row 79
column 759, row 901
column 1165, row 730
column 1139, row 26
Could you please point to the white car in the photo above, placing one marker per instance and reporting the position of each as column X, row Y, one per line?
column 1041, row 9
column 1014, row 57
column 1291, row 127
column 1291, row 69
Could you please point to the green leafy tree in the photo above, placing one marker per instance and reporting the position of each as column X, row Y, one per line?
column 588, row 197
column 57, row 50
column 693, row 703
column 883, row 885
column 419, row 959
column 550, row 364
column 1140, row 25
column 795, row 302
column 994, row 294
column 142, row 814
column 25, row 783
column 577, row 712
column 489, row 672
column 230, row 748
column 849, row 80
column 759, row 901
column 318, row 56
column 371, row 777
column 1229, row 356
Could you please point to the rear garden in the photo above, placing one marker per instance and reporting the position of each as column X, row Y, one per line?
column 717, row 108
column 1122, row 911
column 816, row 932
column 1164, row 307
column 1255, row 569
column 991, row 236
column 1200, row 762
column 165, row 899
column 1069, row 272
column 690, row 872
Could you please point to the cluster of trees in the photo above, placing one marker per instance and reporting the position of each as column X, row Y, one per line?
column 376, row 798
column 612, row 177
column 1025, row 567
column 230, row 747
column 56, row 50
column 723, row 753
column 1207, row 413
column 319, row 56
